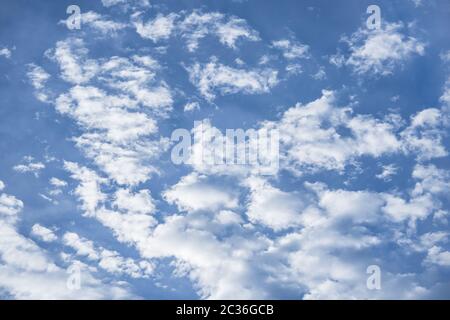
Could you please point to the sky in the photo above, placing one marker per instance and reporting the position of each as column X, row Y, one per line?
column 94, row 206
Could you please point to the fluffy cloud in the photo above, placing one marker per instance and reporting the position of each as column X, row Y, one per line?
column 109, row 3
column 193, row 192
column 218, row 236
column 5, row 52
column 272, row 207
column 111, row 261
column 425, row 134
column 38, row 76
column 198, row 25
column 140, row 202
column 379, row 51
column 43, row 233
column 116, row 127
column 89, row 189
column 310, row 135
column 387, row 172
column 215, row 76
column 159, row 28
column 57, row 186
column 25, row 268
column 195, row 26
column 29, row 166
column 126, row 4
column 71, row 55
column 291, row 49
column 99, row 23
column 82, row 246
column 10, row 205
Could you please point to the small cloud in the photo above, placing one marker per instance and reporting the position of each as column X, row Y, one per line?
column 29, row 166
column 57, row 182
column 43, row 233
column 387, row 173
column 379, row 52
column 320, row 74
column 215, row 76
column 159, row 28
column 192, row 106
column 292, row 49
column 5, row 52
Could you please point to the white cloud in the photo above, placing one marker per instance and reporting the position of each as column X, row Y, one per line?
column 359, row 206
column 213, row 157
column 220, row 269
column 29, row 166
column 272, row 207
column 294, row 68
column 109, row 3
column 437, row 255
column 431, row 179
column 379, row 51
column 71, row 55
column 320, row 74
column 58, row 182
column 218, row 244
column 111, row 261
column 194, row 192
column 291, row 49
column 37, row 76
column 116, row 128
column 227, row 217
column 159, row 28
column 229, row 30
column 127, row 3
column 82, row 246
column 94, row 109
column 233, row 29
column 10, row 205
column 387, row 172
column 101, row 23
column 140, row 202
column 128, row 227
column 131, row 225
column 311, row 140
column 5, row 52
column 89, row 189
column 191, row 106
column 25, row 268
column 126, row 164
column 195, row 26
column 417, row 208
column 213, row 76
column 425, row 134
column 43, row 233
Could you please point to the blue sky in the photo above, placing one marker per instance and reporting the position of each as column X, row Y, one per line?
column 87, row 181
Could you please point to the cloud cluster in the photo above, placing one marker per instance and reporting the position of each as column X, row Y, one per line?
column 379, row 51
column 26, row 268
column 214, row 76
column 231, row 232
